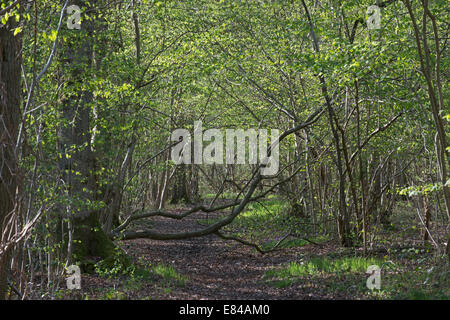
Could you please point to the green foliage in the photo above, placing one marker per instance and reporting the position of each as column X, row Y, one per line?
column 339, row 274
column 423, row 283
column 321, row 265
column 421, row 190
column 115, row 265
column 169, row 274
column 234, row 64
column 116, row 295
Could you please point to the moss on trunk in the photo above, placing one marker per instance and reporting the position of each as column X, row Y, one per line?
column 92, row 245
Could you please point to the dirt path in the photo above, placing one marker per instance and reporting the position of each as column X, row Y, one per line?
column 218, row 269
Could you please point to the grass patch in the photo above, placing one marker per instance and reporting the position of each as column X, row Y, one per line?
column 257, row 213
column 422, row 283
column 346, row 277
column 294, row 271
column 169, row 274
column 115, row 295
column 325, row 265
column 267, row 219
column 131, row 281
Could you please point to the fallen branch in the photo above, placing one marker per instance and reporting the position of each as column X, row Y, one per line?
column 238, row 205
column 253, row 245
column 258, row 248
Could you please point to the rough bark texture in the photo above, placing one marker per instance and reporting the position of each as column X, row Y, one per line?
column 90, row 242
column 10, row 61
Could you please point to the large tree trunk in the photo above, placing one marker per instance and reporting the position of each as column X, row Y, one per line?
column 90, row 242
column 10, row 61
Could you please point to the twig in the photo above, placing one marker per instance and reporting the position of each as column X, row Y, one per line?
column 9, row 7
column 14, row 288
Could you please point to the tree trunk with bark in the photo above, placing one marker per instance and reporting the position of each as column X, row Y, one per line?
column 10, row 92
column 90, row 242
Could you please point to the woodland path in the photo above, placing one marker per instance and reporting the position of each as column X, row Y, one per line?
column 219, row 269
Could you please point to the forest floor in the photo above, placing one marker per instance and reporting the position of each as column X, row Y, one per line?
column 300, row 269
column 212, row 268
column 220, row 269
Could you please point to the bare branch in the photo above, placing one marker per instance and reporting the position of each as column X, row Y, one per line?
column 238, row 205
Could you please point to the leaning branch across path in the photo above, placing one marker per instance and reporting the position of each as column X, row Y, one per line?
column 166, row 214
column 251, row 244
column 238, row 205
column 261, row 250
